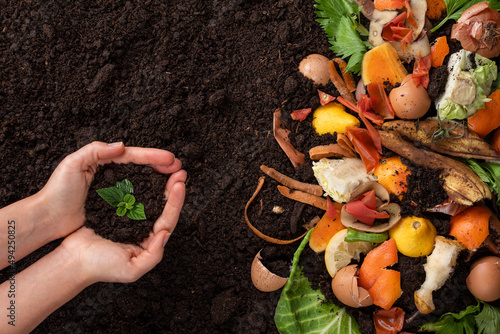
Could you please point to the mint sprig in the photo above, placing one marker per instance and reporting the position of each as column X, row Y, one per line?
column 120, row 196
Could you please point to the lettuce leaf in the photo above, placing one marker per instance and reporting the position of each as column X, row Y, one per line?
column 489, row 173
column 304, row 310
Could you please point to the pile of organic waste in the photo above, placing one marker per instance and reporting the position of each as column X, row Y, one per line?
column 397, row 198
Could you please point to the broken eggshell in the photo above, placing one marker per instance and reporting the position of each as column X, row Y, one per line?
column 346, row 289
column 315, row 67
column 263, row 279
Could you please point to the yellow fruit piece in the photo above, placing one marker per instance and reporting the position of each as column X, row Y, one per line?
column 332, row 118
column 339, row 253
column 414, row 236
column 382, row 65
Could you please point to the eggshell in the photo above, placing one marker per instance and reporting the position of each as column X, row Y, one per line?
column 346, row 289
column 315, row 67
column 408, row 100
column 484, row 279
column 263, row 279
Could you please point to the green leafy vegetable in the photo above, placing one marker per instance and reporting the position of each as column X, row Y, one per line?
column 481, row 318
column 489, row 173
column 455, row 8
column 120, row 196
column 338, row 18
column 303, row 310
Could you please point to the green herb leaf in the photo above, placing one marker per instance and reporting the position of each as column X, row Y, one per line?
column 129, row 199
column 488, row 320
column 112, row 195
column 121, row 211
column 304, row 310
column 338, row 18
column 125, row 186
column 137, row 212
column 453, row 323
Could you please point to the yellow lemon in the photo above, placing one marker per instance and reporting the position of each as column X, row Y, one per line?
column 339, row 253
column 414, row 236
column 332, row 118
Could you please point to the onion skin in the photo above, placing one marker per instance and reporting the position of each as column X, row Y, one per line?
column 477, row 30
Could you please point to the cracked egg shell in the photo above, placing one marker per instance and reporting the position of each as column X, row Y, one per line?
column 263, row 279
column 346, row 289
column 315, row 67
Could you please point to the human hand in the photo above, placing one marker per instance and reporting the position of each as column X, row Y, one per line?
column 102, row 260
column 62, row 200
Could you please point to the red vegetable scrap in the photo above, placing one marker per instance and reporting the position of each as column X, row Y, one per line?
column 421, row 69
column 364, row 209
column 389, row 321
column 395, row 31
column 478, row 30
column 300, row 114
column 380, row 101
column 325, row 98
column 365, row 147
column 331, row 210
column 281, row 136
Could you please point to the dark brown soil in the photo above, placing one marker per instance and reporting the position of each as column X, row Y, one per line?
column 200, row 79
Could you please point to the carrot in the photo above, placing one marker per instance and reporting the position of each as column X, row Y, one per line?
column 439, row 51
column 339, row 83
column 388, row 4
column 392, row 174
column 313, row 189
column 348, row 79
column 383, row 285
column 487, row 119
column 495, row 140
column 435, row 9
column 255, row 230
column 327, row 151
column 281, row 136
column 471, row 227
column 303, row 197
column 325, row 230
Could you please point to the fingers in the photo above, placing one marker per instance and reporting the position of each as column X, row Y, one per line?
column 179, row 176
column 149, row 258
column 163, row 161
column 95, row 153
column 170, row 215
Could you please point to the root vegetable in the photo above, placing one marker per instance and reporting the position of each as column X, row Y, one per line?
column 281, row 135
column 340, row 84
column 313, row 189
column 303, row 197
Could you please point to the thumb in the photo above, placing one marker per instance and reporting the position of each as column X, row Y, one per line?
column 150, row 257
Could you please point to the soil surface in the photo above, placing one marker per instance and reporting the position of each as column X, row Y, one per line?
column 200, row 79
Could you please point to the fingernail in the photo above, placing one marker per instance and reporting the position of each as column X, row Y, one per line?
column 166, row 239
column 119, row 143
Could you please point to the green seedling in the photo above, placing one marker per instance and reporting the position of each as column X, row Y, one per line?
column 120, row 196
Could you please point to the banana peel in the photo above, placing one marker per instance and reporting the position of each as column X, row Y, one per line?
column 464, row 143
column 460, row 183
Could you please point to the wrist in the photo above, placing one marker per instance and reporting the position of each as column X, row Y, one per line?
column 71, row 265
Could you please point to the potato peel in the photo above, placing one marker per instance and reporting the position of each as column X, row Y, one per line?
column 255, row 230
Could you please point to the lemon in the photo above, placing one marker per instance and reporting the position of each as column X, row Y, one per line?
column 332, row 118
column 339, row 253
column 414, row 236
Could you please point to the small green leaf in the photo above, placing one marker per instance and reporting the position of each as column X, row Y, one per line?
column 488, row 320
column 137, row 212
column 122, row 205
column 125, row 186
column 121, row 211
column 129, row 199
column 111, row 195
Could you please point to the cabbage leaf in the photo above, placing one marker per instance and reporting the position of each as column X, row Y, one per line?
column 304, row 310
